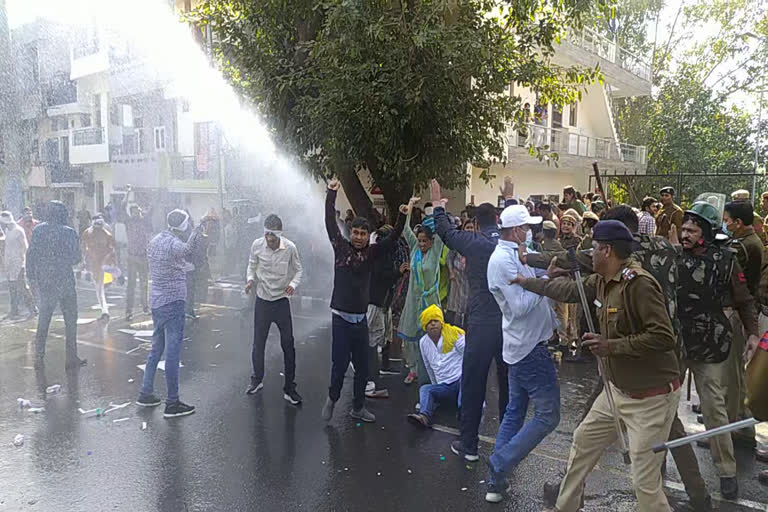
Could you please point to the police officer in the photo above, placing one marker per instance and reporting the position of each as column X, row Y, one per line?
column 670, row 214
column 738, row 218
column 710, row 277
column 757, row 223
column 638, row 347
column 658, row 256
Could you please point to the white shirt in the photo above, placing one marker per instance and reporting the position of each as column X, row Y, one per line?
column 442, row 368
column 274, row 271
column 528, row 318
column 15, row 251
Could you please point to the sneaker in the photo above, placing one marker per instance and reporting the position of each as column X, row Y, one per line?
column 410, row 378
column 729, row 488
column 459, row 450
column 419, row 420
column 388, row 371
column 176, row 409
column 292, row 397
column 377, row 393
column 148, row 401
column 370, row 386
column 327, row 413
column 496, row 494
column 363, row 414
column 254, row 387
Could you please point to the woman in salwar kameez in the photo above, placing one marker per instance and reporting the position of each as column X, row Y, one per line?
column 423, row 291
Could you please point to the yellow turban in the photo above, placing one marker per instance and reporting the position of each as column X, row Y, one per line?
column 450, row 333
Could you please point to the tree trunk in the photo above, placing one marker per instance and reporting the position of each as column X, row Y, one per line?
column 354, row 189
column 395, row 194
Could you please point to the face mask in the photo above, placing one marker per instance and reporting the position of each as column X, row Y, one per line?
column 726, row 230
column 529, row 239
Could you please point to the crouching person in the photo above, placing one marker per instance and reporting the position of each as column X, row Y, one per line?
column 442, row 349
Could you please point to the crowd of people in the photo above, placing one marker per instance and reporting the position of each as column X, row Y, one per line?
column 665, row 293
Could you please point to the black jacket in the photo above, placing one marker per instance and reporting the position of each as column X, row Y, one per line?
column 54, row 250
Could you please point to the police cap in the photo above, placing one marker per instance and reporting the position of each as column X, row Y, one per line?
column 611, row 231
column 667, row 190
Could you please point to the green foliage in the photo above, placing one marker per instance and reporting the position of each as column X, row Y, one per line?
column 408, row 90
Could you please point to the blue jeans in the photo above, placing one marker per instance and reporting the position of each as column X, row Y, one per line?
column 168, row 334
column 431, row 395
column 531, row 379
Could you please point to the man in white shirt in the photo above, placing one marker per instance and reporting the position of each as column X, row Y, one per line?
column 442, row 350
column 528, row 322
column 274, row 272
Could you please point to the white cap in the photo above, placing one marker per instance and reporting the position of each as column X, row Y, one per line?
column 517, row 215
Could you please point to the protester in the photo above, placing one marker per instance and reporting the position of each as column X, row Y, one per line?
column 638, row 344
column 757, row 222
column 200, row 271
column 669, row 215
column 167, row 254
column 14, row 262
column 484, row 336
column 98, row 247
column 353, row 262
column 423, row 291
column 54, row 250
column 458, row 295
column 139, row 232
column 588, row 223
column 711, row 279
column 28, row 223
column 442, row 348
column 569, row 315
column 647, row 221
column 274, row 273
column 528, row 322
column 384, row 277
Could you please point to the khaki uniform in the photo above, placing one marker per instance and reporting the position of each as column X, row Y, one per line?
column 632, row 313
column 666, row 217
column 749, row 253
column 709, row 278
column 568, row 315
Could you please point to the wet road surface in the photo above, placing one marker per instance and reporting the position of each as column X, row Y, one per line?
column 240, row 453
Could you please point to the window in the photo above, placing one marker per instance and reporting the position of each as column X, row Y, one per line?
column 557, row 116
column 85, row 120
column 139, row 140
column 573, row 116
column 159, row 138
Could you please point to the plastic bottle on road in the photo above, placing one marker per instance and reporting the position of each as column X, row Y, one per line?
column 18, row 440
column 52, row 390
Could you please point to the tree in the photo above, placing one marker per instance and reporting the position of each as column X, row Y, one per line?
column 404, row 90
column 690, row 124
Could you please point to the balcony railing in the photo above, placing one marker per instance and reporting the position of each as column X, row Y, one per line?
column 64, row 173
column 88, row 136
column 601, row 46
column 563, row 142
column 85, row 49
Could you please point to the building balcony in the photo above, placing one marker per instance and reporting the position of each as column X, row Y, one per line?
column 175, row 172
column 627, row 73
column 575, row 147
column 88, row 59
column 88, row 146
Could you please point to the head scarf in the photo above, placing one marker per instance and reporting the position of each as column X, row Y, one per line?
column 450, row 333
column 6, row 218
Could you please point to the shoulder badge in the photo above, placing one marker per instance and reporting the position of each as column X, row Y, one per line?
column 741, row 277
column 628, row 274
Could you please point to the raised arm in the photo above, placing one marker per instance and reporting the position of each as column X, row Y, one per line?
column 389, row 242
column 561, row 290
column 334, row 235
column 451, row 236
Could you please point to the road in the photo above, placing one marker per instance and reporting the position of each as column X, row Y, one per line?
column 241, row 453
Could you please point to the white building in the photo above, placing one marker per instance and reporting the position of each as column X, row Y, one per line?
column 580, row 134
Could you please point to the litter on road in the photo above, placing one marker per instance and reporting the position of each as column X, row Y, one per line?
column 18, row 440
column 23, row 403
column 160, row 366
column 53, row 389
column 217, row 345
column 127, row 331
column 142, row 334
column 37, row 409
column 130, row 381
column 120, row 420
column 143, row 425
column 133, row 350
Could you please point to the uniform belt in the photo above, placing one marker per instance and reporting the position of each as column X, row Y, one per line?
column 662, row 390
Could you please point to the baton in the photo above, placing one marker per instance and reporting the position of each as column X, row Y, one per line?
column 738, row 425
column 600, row 368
